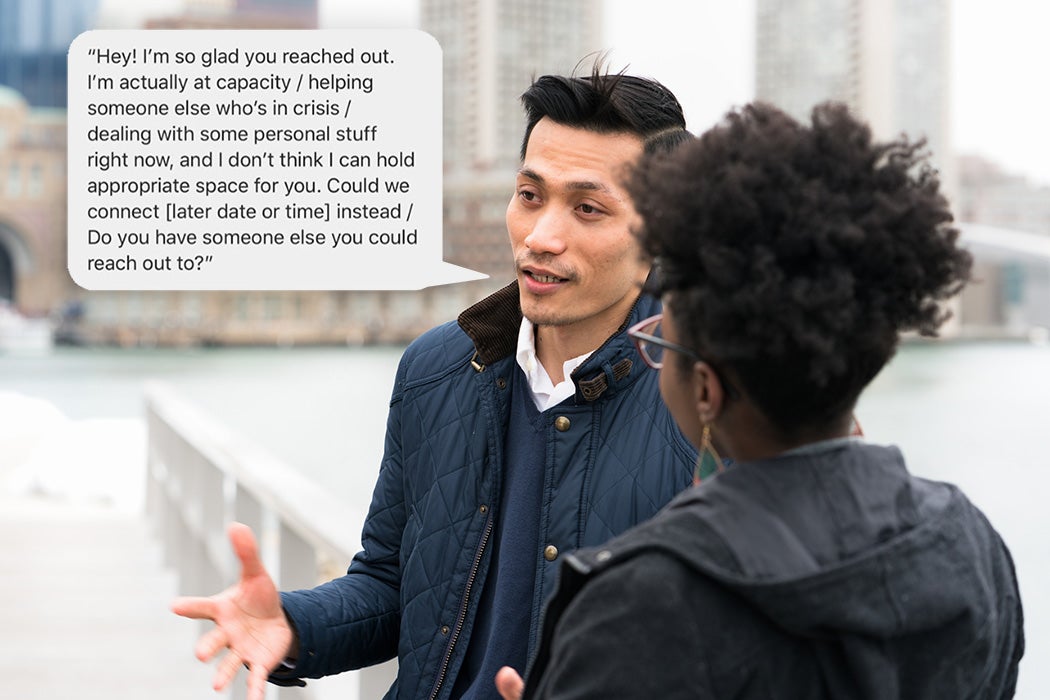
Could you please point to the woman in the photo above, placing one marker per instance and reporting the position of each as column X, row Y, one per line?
column 791, row 259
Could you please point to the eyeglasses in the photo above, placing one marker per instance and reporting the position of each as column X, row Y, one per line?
column 649, row 341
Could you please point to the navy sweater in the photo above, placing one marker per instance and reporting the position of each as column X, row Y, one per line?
column 501, row 632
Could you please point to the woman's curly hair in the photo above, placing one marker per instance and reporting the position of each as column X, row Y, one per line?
column 795, row 255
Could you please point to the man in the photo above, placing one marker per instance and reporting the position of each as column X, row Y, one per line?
column 527, row 429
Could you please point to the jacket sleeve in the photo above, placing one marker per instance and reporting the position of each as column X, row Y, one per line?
column 353, row 621
column 625, row 634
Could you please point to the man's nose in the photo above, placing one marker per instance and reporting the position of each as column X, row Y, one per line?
column 548, row 234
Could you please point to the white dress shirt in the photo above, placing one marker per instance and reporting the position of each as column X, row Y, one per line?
column 544, row 393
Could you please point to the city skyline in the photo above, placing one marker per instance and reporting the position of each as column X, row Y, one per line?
column 482, row 126
column 997, row 54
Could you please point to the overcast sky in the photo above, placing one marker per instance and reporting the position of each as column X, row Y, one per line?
column 704, row 51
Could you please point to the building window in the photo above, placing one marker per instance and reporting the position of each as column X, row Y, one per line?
column 191, row 309
column 14, row 180
column 154, row 305
column 132, row 307
column 271, row 308
column 36, row 180
column 242, row 308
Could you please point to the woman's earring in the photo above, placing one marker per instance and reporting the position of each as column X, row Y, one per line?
column 708, row 462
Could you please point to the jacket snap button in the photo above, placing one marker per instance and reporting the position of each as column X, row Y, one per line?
column 561, row 423
column 501, row 383
column 484, row 508
column 550, row 552
column 444, row 630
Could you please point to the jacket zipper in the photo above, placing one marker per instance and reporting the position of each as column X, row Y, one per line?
column 462, row 617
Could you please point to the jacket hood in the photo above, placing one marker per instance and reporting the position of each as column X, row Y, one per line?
column 883, row 574
column 901, row 577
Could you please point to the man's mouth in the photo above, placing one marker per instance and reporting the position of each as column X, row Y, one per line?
column 545, row 279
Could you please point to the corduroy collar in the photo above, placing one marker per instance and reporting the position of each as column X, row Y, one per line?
column 493, row 324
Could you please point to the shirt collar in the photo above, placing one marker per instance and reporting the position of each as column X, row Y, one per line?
column 544, row 393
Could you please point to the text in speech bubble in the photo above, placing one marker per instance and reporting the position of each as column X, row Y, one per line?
column 232, row 159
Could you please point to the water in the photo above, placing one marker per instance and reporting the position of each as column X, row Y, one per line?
column 321, row 410
column 973, row 414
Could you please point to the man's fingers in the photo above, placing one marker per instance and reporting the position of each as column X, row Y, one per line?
column 210, row 644
column 509, row 684
column 226, row 670
column 196, row 608
column 257, row 676
column 244, row 547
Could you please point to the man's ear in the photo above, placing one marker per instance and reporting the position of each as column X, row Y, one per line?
column 708, row 393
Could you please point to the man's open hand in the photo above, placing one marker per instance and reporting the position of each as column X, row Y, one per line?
column 248, row 618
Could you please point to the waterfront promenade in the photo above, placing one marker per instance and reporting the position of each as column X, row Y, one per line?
column 102, row 526
column 84, row 601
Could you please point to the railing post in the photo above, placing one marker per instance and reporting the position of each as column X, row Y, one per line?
column 376, row 680
column 202, row 477
column 298, row 561
column 246, row 508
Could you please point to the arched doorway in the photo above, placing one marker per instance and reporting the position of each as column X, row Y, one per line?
column 16, row 262
column 7, row 274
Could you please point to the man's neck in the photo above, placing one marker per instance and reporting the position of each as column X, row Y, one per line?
column 556, row 345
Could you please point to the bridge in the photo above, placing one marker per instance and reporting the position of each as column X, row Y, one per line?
column 1005, row 244
column 1010, row 294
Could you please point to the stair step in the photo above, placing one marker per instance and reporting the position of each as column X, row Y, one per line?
column 84, row 605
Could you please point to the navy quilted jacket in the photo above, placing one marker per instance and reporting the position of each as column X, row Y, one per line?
column 614, row 458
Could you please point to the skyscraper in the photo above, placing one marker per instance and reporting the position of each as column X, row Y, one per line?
column 240, row 14
column 295, row 12
column 887, row 59
column 492, row 51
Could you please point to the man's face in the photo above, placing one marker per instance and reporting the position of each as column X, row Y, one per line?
column 569, row 223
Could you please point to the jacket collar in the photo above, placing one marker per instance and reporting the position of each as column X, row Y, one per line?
column 493, row 324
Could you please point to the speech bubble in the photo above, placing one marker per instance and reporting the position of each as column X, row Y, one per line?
column 256, row 160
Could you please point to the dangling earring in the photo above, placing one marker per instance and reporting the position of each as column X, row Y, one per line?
column 708, row 462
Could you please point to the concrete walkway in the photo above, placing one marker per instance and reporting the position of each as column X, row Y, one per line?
column 84, row 609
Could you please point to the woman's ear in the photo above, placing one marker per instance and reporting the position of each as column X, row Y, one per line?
column 708, row 393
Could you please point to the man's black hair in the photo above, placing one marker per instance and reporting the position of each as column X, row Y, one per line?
column 795, row 255
column 603, row 103
column 667, row 140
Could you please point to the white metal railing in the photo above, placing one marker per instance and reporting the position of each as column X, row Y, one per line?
column 201, row 477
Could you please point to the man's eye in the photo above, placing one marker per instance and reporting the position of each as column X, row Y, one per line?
column 589, row 209
column 527, row 195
